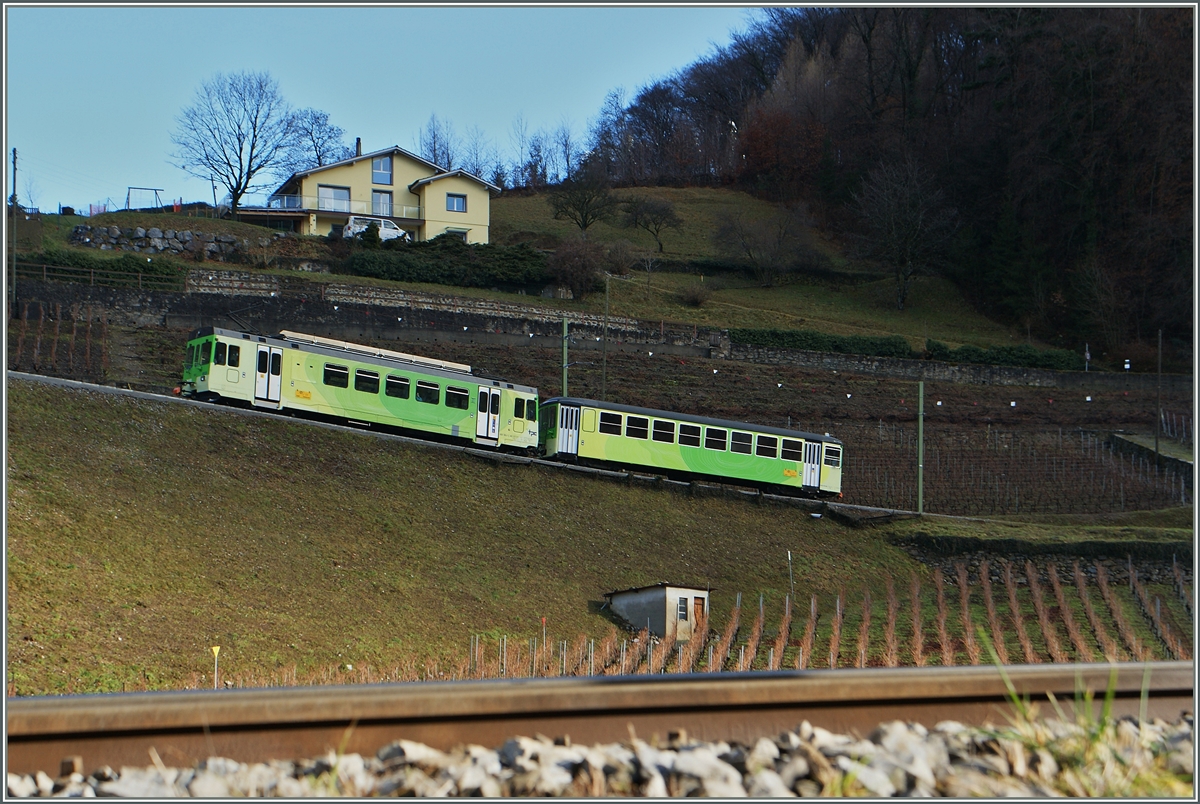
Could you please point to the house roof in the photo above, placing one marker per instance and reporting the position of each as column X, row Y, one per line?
column 457, row 172
column 440, row 172
column 660, row 585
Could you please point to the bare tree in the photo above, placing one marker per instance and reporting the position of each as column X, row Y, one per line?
column 520, row 143
column 237, row 129
column 439, row 143
column 566, row 148
column 316, row 142
column 908, row 225
column 478, row 154
column 771, row 246
column 585, row 201
column 651, row 214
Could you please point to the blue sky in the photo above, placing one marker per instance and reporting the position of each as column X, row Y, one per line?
column 92, row 93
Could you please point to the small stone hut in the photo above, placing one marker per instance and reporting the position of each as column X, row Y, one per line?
column 668, row 611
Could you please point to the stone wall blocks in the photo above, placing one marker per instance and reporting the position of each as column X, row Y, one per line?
column 154, row 232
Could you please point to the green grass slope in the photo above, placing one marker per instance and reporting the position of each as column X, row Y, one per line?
column 140, row 534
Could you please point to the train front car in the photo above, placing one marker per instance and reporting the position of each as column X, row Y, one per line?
column 365, row 386
column 680, row 445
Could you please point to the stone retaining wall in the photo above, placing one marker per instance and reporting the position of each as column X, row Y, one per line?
column 169, row 241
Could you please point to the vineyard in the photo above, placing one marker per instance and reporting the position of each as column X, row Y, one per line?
column 1001, row 611
column 969, row 472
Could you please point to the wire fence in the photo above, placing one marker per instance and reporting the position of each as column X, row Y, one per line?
column 99, row 277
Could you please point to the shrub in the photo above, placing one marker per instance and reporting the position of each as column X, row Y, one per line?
column 1023, row 356
column 450, row 261
column 578, row 265
column 813, row 341
column 695, row 295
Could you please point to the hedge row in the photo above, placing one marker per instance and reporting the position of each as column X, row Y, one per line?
column 813, row 341
column 126, row 262
column 1023, row 356
column 449, row 261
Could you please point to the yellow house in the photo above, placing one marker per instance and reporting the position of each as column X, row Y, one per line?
column 420, row 197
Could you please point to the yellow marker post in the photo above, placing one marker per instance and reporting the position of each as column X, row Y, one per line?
column 216, row 649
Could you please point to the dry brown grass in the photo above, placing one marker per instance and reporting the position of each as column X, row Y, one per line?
column 1018, row 619
column 918, row 629
column 1083, row 651
column 864, row 629
column 944, row 640
column 785, row 633
column 746, row 661
column 1108, row 646
column 835, row 633
column 985, row 581
column 1132, row 643
column 1153, row 612
column 891, row 646
column 1049, row 629
column 804, row 654
column 721, row 651
column 964, row 596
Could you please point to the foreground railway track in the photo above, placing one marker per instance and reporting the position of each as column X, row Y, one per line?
column 257, row 725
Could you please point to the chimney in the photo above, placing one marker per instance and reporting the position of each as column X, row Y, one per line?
column 358, row 146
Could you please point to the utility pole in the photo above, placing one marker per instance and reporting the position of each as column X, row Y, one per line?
column 920, row 448
column 564, row 363
column 604, row 345
column 1158, row 402
column 12, row 200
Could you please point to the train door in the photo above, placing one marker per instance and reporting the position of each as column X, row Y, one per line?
column 568, row 430
column 812, row 463
column 267, row 379
column 487, row 418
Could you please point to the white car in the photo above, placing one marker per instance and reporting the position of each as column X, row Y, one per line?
column 358, row 224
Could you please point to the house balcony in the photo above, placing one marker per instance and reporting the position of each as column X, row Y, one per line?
column 311, row 203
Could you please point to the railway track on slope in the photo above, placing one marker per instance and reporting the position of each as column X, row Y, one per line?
column 286, row 723
column 848, row 513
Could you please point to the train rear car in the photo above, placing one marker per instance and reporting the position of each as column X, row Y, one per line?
column 681, row 445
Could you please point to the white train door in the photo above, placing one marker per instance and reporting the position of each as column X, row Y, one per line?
column 487, row 417
column 267, row 374
column 812, row 463
column 568, row 430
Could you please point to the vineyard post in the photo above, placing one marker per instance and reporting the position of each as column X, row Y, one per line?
column 920, row 448
column 791, row 579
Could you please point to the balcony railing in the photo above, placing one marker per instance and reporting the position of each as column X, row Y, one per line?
column 313, row 203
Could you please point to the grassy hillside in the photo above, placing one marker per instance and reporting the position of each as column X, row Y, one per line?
column 140, row 534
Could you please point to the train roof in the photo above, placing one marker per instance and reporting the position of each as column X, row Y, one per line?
column 330, row 347
column 687, row 417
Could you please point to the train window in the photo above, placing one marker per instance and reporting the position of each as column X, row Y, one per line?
column 276, row 363
column 833, row 456
column 637, row 427
column 235, row 356
column 495, row 404
column 191, row 355
column 768, row 446
column 531, row 409
column 428, row 392
column 459, row 398
column 337, row 376
column 714, row 438
column 219, row 354
column 396, row 386
column 263, row 358
column 792, row 450
column 519, row 408
column 366, row 381
column 689, row 435
column 483, row 401
column 205, row 353
column 610, row 423
column 664, row 432
column 740, row 443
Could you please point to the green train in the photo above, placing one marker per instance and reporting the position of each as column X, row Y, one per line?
column 680, row 445
column 307, row 375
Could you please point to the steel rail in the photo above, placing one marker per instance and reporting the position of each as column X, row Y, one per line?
column 290, row 723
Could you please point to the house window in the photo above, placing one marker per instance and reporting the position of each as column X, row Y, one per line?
column 456, row 203
column 381, row 203
column 767, row 446
column 333, row 199
column 381, row 170
column 367, row 381
column 458, row 398
column 637, row 427
column 664, row 431
column 740, row 443
column 714, row 438
column 689, row 435
column 682, row 608
column 792, row 450
column 428, row 392
column 337, row 376
column 610, row 423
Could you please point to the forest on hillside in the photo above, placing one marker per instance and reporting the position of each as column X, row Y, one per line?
column 1039, row 157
